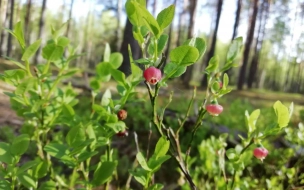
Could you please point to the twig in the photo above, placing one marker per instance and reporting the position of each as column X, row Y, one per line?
column 149, row 140
column 188, row 112
column 244, row 149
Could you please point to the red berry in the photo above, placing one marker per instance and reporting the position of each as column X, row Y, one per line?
column 214, row 109
column 260, row 153
column 122, row 133
column 122, row 114
column 152, row 75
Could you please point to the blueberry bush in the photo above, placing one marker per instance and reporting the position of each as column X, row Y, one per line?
column 60, row 148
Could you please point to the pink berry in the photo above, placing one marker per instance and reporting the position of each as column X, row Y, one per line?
column 214, row 109
column 122, row 114
column 122, row 133
column 260, row 153
column 152, row 75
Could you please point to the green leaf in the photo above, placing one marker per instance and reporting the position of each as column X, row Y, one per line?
column 184, row 55
column 103, row 173
column 139, row 175
column 106, row 98
column 31, row 50
column 107, row 53
column 52, row 52
column 161, row 44
column 199, row 44
column 213, row 64
column 252, row 119
column 225, row 81
column 137, row 73
column 234, row 49
column 68, row 110
column 26, row 166
column 119, row 76
column 142, row 161
column 282, row 114
column 172, row 70
column 40, row 170
column 18, row 34
column 117, row 126
column 5, row 154
column 63, row 41
column 140, row 16
column 99, row 109
column 155, row 163
column 25, row 86
column 215, row 87
column 143, row 61
column 76, row 136
column 162, row 147
column 20, row 145
column 4, row 184
column 14, row 61
column 232, row 154
column 103, row 70
column 165, row 17
column 116, row 60
column 85, row 155
column 95, row 85
column 27, row 180
column 137, row 34
column 59, row 151
column 49, row 185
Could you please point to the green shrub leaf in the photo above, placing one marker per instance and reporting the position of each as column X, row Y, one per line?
column 5, row 154
column 142, row 161
column 165, row 17
column 282, row 114
column 184, row 55
column 20, row 145
column 31, row 50
column 103, row 173
column 162, row 147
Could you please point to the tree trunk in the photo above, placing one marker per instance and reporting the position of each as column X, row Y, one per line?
column 250, row 34
column 154, row 7
column 264, row 11
column 213, row 42
column 9, row 39
column 118, row 29
column 70, row 19
column 41, row 28
column 287, row 87
column 27, row 22
column 128, row 39
column 186, row 77
column 4, row 15
column 237, row 19
column 181, row 24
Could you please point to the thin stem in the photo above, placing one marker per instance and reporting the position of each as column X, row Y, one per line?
column 164, row 109
column 108, row 159
column 188, row 112
column 196, row 126
column 149, row 140
column 46, row 68
column 27, row 65
column 72, row 182
column 244, row 149
column 155, row 50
